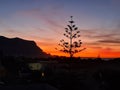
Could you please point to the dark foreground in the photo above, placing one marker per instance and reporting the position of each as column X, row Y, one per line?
column 61, row 75
column 28, row 87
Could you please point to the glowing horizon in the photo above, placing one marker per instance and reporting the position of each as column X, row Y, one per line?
column 89, row 52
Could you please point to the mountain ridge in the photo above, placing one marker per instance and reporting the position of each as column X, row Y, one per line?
column 20, row 47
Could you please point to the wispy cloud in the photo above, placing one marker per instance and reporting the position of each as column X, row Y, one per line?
column 96, row 47
column 117, row 41
column 99, row 33
column 46, row 19
column 110, row 35
column 11, row 31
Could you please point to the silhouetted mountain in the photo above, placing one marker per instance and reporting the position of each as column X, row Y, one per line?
column 19, row 47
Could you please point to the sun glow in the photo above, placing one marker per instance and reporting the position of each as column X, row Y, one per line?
column 88, row 52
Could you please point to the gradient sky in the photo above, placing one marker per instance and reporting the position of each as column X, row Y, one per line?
column 44, row 21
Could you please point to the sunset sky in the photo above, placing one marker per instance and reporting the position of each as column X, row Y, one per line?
column 44, row 21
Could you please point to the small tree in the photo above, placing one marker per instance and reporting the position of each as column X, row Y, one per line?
column 72, row 46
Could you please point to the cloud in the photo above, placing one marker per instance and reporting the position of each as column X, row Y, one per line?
column 91, row 43
column 96, row 47
column 43, row 43
column 110, row 35
column 100, row 34
column 41, row 38
column 12, row 31
column 39, row 29
column 88, row 33
column 49, row 20
column 117, row 41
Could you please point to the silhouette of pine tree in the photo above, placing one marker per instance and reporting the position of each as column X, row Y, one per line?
column 72, row 33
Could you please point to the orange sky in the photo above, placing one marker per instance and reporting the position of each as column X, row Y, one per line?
column 88, row 52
